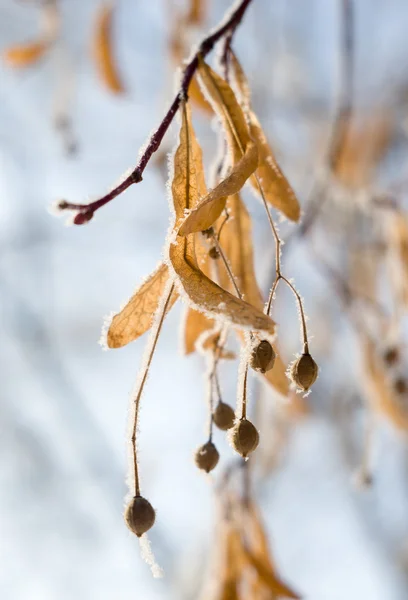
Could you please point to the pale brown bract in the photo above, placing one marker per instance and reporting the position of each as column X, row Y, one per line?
column 201, row 291
column 137, row 316
column 103, row 51
column 275, row 186
column 243, row 151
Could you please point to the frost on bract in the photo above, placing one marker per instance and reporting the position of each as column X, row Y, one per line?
column 243, row 151
column 138, row 314
column 202, row 292
column 275, row 187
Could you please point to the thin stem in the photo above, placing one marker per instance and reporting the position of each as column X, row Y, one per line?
column 272, row 294
column 244, row 392
column 227, row 267
column 210, row 406
column 86, row 211
column 278, row 241
column 137, row 396
column 217, row 385
column 227, row 216
column 302, row 314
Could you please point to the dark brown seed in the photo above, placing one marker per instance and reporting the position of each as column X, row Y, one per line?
column 208, row 233
column 262, row 357
column 391, row 355
column 304, row 372
column 223, row 416
column 400, row 385
column 139, row 515
column 213, row 253
column 207, row 457
column 244, row 437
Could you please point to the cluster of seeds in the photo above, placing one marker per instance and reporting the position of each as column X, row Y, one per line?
column 208, row 257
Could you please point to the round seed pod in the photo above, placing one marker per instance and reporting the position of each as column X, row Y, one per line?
column 400, row 385
column 244, row 437
column 207, row 457
column 224, row 416
column 208, row 233
column 304, row 372
column 213, row 253
column 262, row 357
column 139, row 515
column 391, row 355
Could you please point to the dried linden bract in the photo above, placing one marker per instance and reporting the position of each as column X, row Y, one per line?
column 207, row 457
column 139, row 515
column 223, row 416
column 304, row 372
column 262, row 357
column 244, row 437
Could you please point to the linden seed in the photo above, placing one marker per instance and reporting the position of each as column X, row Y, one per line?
column 139, row 515
column 304, row 372
column 391, row 355
column 207, row 457
column 400, row 385
column 244, row 437
column 208, row 233
column 224, row 416
column 262, row 357
column 213, row 253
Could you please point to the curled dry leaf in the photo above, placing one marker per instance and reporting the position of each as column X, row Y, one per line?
column 210, row 297
column 103, row 50
column 25, row 55
column 275, row 186
column 243, row 151
column 378, row 389
column 211, row 207
column 138, row 314
column 203, row 293
column 227, row 108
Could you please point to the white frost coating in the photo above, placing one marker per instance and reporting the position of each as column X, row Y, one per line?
column 103, row 340
column 148, row 556
column 107, row 320
column 122, row 178
column 55, row 210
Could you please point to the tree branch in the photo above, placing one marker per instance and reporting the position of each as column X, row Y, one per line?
column 228, row 27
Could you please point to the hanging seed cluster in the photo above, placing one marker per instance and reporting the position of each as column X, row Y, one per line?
column 208, row 258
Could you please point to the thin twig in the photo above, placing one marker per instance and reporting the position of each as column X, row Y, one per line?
column 86, row 211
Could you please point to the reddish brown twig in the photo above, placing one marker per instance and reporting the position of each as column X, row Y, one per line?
column 85, row 212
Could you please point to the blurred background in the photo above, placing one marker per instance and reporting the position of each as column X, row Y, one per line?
column 65, row 132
